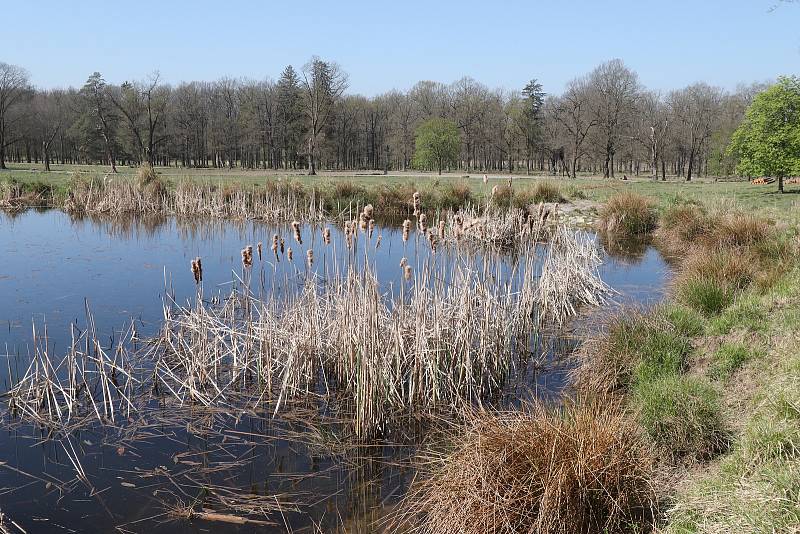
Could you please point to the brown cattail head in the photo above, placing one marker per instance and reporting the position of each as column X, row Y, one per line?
column 196, row 271
column 296, row 228
column 259, row 250
column 199, row 267
column 378, row 241
column 371, row 227
column 363, row 222
column 403, row 262
column 281, row 245
column 408, row 272
column 494, row 191
column 310, row 257
column 423, row 222
column 326, row 236
column 441, row 229
column 368, row 211
column 415, row 200
column 290, row 254
column 247, row 256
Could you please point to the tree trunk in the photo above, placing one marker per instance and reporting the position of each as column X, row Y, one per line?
column 780, row 184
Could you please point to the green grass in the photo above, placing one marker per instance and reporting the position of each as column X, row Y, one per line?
column 682, row 415
column 686, row 321
column 745, row 313
column 729, row 358
column 704, row 295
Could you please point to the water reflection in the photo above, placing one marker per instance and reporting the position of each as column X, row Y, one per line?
column 141, row 473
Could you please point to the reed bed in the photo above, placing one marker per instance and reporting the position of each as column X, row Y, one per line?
column 115, row 197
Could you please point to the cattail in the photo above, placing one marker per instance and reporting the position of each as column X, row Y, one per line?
column 406, row 229
column 326, row 236
column 441, row 229
column 247, row 259
column 371, row 227
column 494, row 191
column 259, row 250
column 485, row 179
column 408, row 272
column 199, row 267
column 281, row 245
column 378, row 241
column 289, row 254
column 510, row 181
column 403, row 262
column 416, row 202
column 195, row 271
column 422, row 222
column 296, row 228
column 363, row 222
column 310, row 257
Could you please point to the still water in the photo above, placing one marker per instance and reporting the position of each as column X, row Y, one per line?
column 52, row 267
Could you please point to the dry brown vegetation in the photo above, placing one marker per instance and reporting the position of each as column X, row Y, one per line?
column 626, row 215
column 583, row 467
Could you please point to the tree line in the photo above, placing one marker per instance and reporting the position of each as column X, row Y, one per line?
column 604, row 122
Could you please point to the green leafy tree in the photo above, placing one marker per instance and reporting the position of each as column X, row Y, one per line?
column 437, row 144
column 767, row 143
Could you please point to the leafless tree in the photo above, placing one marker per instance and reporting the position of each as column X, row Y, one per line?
column 323, row 83
column 695, row 110
column 574, row 112
column 15, row 89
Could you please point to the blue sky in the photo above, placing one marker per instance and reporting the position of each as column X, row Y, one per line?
column 386, row 45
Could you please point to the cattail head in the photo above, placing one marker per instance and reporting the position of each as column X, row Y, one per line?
column 485, row 179
column 371, row 227
column 415, row 200
column 296, row 228
column 408, row 272
column 196, row 270
column 247, row 257
column 378, row 241
column 259, row 250
column 423, row 222
column 368, row 211
column 494, row 191
column 326, row 236
column 441, row 229
column 310, row 257
column 403, row 262
column 281, row 245
column 363, row 222
column 290, row 254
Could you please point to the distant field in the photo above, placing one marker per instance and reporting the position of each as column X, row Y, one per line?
column 763, row 198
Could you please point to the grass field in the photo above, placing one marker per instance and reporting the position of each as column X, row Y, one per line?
column 762, row 198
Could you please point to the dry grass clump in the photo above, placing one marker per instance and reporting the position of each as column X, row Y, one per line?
column 582, row 467
column 545, row 191
column 627, row 215
column 680, row 226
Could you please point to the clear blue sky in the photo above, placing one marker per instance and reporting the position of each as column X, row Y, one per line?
column 386, row 45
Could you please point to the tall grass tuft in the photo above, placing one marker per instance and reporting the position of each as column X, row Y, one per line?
column 627, row 215
column 582, row 467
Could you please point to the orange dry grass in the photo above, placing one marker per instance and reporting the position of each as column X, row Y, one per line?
column 582, row 467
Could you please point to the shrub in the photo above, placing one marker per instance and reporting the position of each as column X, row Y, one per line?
column 681, row 225
column 583, row 467
column 627, row 215
column 738, row 229
column 150, row 183
column 682, row 415
column 732, row 270
column 575, row 193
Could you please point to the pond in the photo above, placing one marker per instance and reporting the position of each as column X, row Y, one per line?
column 141, row 475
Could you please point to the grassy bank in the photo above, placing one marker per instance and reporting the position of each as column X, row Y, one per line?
column 708, row 380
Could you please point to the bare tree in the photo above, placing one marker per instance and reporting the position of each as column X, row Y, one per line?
column 323, row 84
column 14, row 90
column 615, row 90
column 695, row 110
column 573, row 111
column 144, row 106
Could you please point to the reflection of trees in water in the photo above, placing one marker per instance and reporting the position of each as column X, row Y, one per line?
column 630, row 251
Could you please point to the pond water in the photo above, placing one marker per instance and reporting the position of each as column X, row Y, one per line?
column 52, row 267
